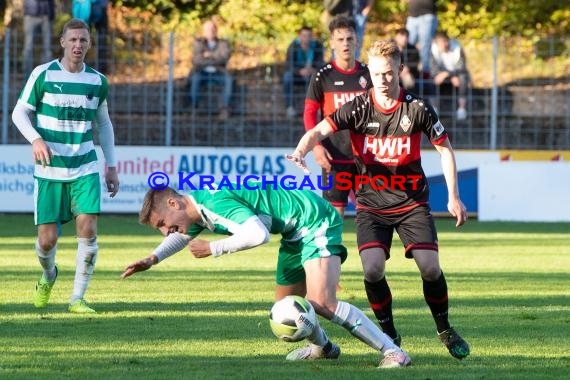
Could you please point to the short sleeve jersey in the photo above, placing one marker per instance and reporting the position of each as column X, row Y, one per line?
column 387, row 146
column 291, row 213
column 66, row 105
column 331, row 87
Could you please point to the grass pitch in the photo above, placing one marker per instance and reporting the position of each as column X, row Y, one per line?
column 509, row 287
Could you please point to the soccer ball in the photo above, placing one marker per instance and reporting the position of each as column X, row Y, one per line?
column 292, row 319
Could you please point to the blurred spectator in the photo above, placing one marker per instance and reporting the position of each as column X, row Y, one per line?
column 13, row 12
column 448, row 65
column 410, row 74
column 333, row 8
column 38, row 16
column 361, row 10
column 210, row 57
column 304, row 57
column 100, row 21
column 422, row 24
column 94, row 14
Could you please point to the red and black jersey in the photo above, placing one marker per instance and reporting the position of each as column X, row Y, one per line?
column 329, row 89
column 386, row 146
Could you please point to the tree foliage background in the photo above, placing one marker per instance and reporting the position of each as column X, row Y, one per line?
column 264, row 28
column 466, row 17
column 260, row 30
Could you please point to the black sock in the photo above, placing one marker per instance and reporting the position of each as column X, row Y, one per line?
column 327, row 347
column 380, row 300
column 435, row 294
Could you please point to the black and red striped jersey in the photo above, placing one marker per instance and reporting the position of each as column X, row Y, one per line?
column 330, row 88
column 386, row 145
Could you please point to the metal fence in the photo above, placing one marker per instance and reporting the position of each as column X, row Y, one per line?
column 148, row 96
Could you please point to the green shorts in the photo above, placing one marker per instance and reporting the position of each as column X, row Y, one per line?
column 59, row 202
column 319, row 243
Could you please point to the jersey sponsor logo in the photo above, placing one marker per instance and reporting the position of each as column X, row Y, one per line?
column 74, row 114
column 438, row 128
column 372, row 128
column 405, row 123
column 388, row 149
column 340, row 98
column 362, row 82
column 339, row 83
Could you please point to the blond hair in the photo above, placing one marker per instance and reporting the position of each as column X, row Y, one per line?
column 385, row 49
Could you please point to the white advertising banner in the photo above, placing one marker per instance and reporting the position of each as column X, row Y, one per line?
column 140, row 166
column 524, row 191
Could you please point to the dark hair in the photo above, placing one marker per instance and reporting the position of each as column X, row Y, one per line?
column 341, row 22
column 74, row 23
column 441, row 34
column 305, row 27
column 403, row 31
column 155, row 200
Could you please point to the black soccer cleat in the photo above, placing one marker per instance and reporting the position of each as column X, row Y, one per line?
column 456, row 345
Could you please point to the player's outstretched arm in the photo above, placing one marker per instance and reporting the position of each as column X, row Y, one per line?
column 321, row 131
column 170, row 245
column 139, row 266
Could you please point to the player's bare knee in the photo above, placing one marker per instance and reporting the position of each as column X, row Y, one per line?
column 46, row 242
column 323, row 308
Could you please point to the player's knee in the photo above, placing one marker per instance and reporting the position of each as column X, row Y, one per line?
column 431, row 272
column 324, row 308
column 371, row 275
column 373, row 268
column 47, row 242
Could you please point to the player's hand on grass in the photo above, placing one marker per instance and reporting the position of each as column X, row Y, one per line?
column 200, row 248
column 139, row 266
column 299, row 161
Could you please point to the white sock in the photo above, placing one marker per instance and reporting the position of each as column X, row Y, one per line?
column 84, row 265
column 47, row 261
column 359, row 325
column 318, row 337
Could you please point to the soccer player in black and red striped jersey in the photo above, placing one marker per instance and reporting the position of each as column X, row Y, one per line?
column 331, row 86
column 386, row 126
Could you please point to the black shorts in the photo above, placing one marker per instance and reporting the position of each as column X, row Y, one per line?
column 336, row 197
column 416, row 229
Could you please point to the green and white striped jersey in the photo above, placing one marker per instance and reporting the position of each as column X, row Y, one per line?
column 292, row 213
column 66, row 106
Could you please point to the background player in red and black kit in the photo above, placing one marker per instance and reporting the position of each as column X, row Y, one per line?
column 331, row 86
column 386, row 127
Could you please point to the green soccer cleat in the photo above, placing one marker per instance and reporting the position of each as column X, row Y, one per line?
column 80, row 307
column 43, row 291
column 456, row 345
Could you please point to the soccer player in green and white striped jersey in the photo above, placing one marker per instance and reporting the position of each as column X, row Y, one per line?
column 309, row 259
column 61, row 104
